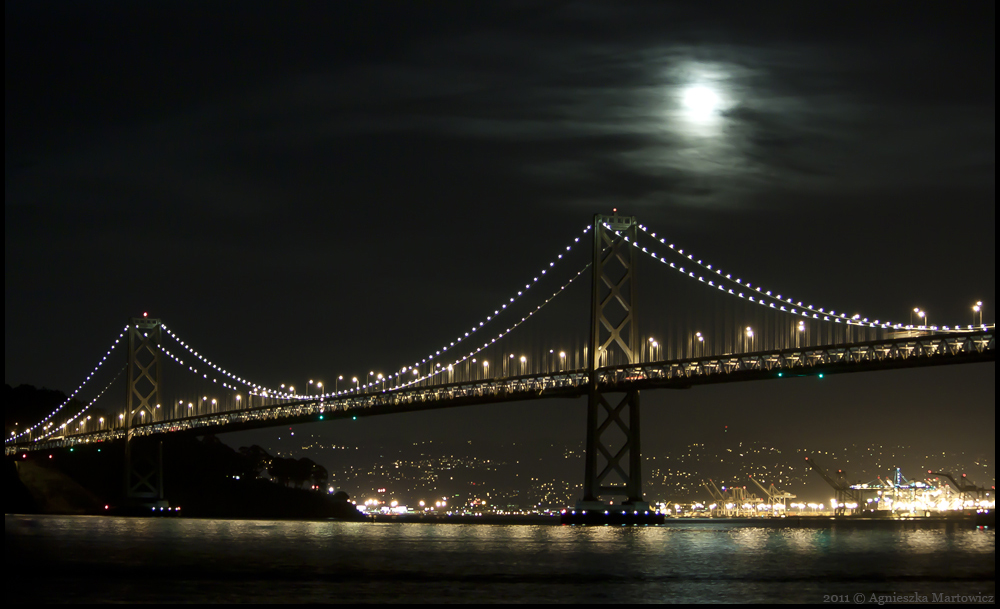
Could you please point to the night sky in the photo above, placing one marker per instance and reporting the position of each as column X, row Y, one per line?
column 304, row 190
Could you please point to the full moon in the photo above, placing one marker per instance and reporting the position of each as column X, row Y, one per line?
column 701, row 103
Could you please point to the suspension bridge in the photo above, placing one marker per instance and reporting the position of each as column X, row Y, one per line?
column 728, row 330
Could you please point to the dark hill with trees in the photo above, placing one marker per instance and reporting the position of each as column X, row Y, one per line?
column 26, row 405
column 204, row 477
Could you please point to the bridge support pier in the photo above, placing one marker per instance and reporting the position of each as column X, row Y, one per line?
column 626, row 460
column 614, row 458
column 143, row 458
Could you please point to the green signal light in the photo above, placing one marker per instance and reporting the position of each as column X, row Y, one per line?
column 321, row 418
column 355, row 418
column 781, row 374
column 821, row 376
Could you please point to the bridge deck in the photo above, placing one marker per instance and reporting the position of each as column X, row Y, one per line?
column 892, row 354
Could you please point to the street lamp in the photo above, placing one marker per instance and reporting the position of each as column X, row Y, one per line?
column 978, row 308
column 336, row 385
column 357, row 385
column 562, row 361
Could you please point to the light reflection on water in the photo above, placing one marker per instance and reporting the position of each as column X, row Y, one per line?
column 239, row 561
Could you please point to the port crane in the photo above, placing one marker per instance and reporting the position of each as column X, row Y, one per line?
column 717, row 497
column 774, row 496
column 965, row 488
column 733, row 502
column 844, row 492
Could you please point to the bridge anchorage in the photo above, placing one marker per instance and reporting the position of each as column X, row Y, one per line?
column 613, row 459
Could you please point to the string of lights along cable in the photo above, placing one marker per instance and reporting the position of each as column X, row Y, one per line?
column 439, row 369
column 264, row 392
column 82, row 412
column 772, row 298
column 214, row 367
column 436, row 370
column 103, row 360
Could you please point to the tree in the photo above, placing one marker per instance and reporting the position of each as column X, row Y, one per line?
column 258, row 460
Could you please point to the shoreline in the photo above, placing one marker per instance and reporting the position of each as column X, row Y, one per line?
column 812, row 522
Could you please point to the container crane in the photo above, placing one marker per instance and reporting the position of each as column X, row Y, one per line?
column 716, row 495
column 844, row 493
column 965, row 488
column 774, row 496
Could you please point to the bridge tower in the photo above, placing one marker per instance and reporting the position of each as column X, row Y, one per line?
column 613, row 460
column 143, row 458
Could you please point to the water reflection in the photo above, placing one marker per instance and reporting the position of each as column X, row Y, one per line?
column 303, row 561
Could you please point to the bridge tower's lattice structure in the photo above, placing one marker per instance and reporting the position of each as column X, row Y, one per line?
column 613, row 460
column 143, row 458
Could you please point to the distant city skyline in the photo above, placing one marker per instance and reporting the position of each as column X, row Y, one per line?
column 525, row 476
